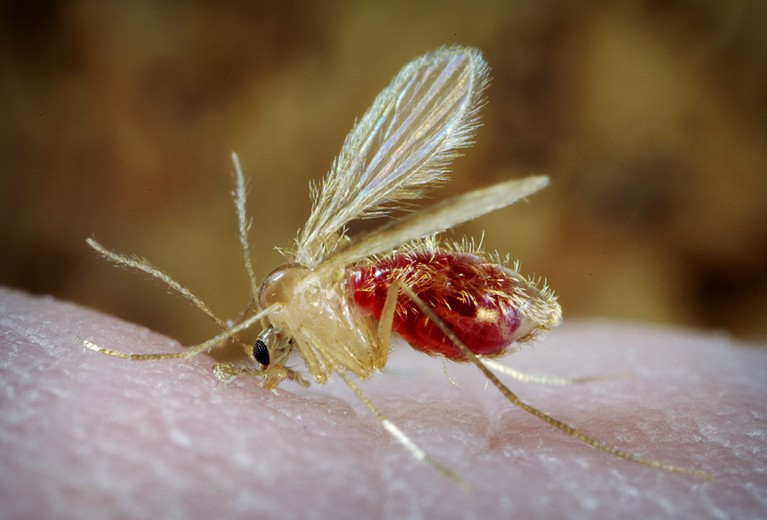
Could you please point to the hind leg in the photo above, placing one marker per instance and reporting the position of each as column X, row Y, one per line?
column 513, row 399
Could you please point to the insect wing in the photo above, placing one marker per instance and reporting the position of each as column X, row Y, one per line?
column 401, row 146
column 438, row 218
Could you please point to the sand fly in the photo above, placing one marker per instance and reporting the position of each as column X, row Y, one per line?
column 337, row 300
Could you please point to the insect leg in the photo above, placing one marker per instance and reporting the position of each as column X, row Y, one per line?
column 190, row 352
column 546, row 380
column 512, row 398
column 393, row 430
column 387, row 318
column 226, row 372
column 272, row 376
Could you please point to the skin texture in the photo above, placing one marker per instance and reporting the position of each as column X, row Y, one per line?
column 83, row 435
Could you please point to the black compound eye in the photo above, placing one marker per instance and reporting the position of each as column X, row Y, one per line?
column 261, row 353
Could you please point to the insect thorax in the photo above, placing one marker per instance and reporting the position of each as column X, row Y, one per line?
column 313, row 309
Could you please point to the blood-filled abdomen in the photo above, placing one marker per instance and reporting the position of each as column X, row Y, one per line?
column 479, row 300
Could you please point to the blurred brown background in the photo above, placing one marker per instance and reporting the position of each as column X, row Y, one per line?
column 650, row 116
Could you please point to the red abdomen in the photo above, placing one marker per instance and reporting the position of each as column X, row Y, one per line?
column 472, row 296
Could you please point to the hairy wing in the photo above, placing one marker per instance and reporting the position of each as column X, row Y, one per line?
column 400, row 147
column 437, row 218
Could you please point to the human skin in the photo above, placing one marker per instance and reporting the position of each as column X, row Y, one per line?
column 83, row 435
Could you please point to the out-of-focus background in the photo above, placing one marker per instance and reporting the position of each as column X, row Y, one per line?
column 118, row 118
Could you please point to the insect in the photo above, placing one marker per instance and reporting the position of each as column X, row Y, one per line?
column 336, row 301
